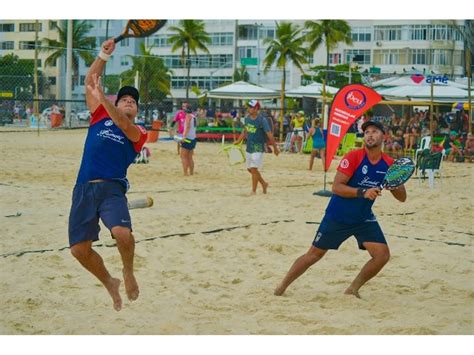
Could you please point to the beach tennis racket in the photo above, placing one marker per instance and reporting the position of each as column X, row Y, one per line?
column 140, row 28
column 398, row 173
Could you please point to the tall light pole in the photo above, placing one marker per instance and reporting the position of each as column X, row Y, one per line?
column 257, row 26
column 69, row 70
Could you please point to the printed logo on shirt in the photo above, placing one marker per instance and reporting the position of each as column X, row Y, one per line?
column 251, row 128
column 108, row 123
column 344, row 163
column 364, row 170
column 108, row 134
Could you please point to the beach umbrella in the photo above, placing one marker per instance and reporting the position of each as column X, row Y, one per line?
column 461, row 106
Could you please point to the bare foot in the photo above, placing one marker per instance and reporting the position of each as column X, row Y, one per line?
column 131, row 286
column 264, row 187
column 352, row 292
column 113, row 288
column 278, row 291
column 253, row 193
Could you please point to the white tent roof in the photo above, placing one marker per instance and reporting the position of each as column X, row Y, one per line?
column 311, row 90
column 440, row 93
column 415, row 80
column 242, row 90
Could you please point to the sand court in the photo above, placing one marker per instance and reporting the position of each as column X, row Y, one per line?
column 208, row 256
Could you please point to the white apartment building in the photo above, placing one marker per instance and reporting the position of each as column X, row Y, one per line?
column 379, row 46
column 18, row 37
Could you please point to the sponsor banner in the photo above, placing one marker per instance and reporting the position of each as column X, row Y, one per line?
column 349, row 103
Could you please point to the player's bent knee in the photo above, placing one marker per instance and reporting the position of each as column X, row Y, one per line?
column 122, row 234
column 81, row 251
column 382, row 257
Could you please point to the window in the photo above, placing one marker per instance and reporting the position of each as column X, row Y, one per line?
column 82, row 80
column 52, row 80
column 361, row 34
column 7, row 27
column 125, row 42
column 124, row 60
column 27, row 45
column 6, row 45
column 418, row 32
column 222, row 39
column 388, row 33
column 391, row 56
column 200, row 61
column 52, row 25
column 30, row 27
column 248, row 32
column 441, row 56
column 269, row 32
column 247, row 52
column 419, row 56
column 203, row 82
column 335, row 58
column 160, row 41
column 359, row 56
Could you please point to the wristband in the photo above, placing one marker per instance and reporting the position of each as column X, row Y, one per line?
column 361, row 192
column 104, row 56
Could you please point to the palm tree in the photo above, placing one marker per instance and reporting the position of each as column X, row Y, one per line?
column 241, row 74
column 190, row 36
column 81, row 44
column 331, row 32
column 287, row 46
column 154, row 77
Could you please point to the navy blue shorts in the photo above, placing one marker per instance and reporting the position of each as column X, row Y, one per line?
column 189, row 145
column 331, row 234
column 90, row 201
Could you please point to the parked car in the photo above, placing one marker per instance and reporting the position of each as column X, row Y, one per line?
column 84, row 115
column 46, row 114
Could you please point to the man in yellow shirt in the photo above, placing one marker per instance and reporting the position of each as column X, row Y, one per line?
column 297, row 124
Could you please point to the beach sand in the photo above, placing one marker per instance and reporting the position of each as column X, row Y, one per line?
column 208, row 257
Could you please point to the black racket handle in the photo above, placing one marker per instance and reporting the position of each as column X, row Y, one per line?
column 119, row 38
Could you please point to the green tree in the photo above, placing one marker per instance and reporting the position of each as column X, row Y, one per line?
column 331, row 32
column 189, row 37
column 153, row 75
column 287, row 46
column 241, row 74
column 338, row 75
column 82, row 46
column 16, row 76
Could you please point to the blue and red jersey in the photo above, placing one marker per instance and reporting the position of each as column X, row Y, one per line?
column 107, row 151
column 363, row 174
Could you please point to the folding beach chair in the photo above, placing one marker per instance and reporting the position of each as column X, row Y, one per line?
column 429, row 163
column 348, row 144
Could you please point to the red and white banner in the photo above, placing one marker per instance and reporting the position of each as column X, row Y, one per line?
column 350, row 102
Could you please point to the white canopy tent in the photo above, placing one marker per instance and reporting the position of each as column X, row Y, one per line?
column 313, row 90
column 423, row 93
column 417, row 80
column 241, row 90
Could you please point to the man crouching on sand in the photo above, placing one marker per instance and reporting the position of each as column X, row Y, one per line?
column 112, row 144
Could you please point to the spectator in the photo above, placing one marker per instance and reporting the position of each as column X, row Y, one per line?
column 319, row 144
column 297, row 136
column 451, row 146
